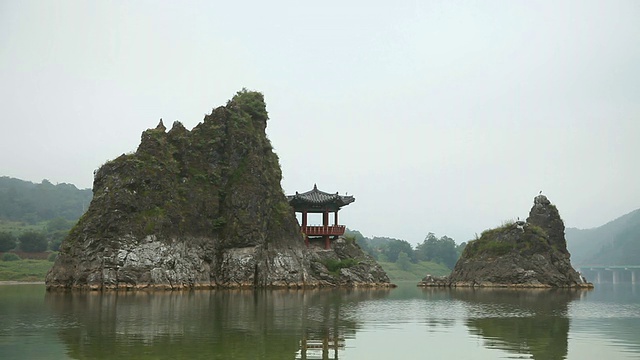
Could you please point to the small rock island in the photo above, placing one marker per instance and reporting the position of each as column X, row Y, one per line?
column 203, row 209
column 528, row 254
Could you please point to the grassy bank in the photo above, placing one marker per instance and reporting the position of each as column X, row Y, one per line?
column 415, row 272
column 24, row 270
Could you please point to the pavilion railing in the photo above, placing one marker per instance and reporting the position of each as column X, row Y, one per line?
column 331, row 230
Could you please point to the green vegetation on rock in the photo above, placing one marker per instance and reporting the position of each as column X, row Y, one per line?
column 334, row 265
column 529, row 253
column 183, row 181
column 199, row 208
column 525, row 240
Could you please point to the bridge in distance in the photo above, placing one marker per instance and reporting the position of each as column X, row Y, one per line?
column 610, row 273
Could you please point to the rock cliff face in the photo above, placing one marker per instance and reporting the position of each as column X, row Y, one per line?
column 200, row 209
column 521, row 254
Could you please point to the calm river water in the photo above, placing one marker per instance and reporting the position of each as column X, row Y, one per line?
column 402, row 323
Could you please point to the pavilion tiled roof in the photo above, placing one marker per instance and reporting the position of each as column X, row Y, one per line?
column 318, row 197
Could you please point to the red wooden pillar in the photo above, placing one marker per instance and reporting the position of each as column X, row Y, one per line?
column 304, row 227
column 335, row 218
column 325, row 223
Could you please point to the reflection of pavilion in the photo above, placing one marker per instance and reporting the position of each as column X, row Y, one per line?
column 320, row 346
column 284, row 324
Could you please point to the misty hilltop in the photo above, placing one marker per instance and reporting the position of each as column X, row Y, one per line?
column 614, row 243
column 30, row 203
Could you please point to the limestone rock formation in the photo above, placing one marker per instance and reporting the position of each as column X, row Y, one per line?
column 519, row 254
column 200, row 209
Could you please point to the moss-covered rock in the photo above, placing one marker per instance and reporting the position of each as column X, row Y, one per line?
column 192, row 209
column 519, row 254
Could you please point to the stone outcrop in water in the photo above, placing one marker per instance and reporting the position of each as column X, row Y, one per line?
column 201, row 209
column 519, row 254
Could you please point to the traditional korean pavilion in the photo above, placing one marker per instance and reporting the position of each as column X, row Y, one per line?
column 320, row 202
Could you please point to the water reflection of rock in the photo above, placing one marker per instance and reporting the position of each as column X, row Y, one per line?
column 532, row 322
column 214, row 324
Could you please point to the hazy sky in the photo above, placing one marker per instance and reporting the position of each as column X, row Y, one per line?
column 438, row 116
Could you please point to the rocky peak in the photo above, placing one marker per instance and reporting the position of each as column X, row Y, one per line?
column 545, row 215
column 198, row 209
column 161, row 126
column 518, row 254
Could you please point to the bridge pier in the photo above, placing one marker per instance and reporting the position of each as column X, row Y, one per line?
column 598, row 276
column 616, row 276
column 633, row 276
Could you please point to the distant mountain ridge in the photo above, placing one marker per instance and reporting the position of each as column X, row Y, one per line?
column 614, row 243
column 26, row 201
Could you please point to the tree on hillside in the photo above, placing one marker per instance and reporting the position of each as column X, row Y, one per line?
column 31, row 203
column 403, row 261
column 32, row 241
column 362, row 242
column 394, row 247
column 57, row 230
column 58, row 224
column 441, row 250
column 7, row 241
column 55, row 239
